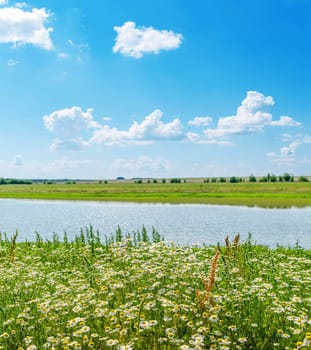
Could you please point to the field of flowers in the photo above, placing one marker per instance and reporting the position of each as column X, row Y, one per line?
column 141, row 293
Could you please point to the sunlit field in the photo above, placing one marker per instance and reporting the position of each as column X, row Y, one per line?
column 263, row 194
column 145, row 293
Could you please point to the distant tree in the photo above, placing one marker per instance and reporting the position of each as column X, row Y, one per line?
column 163, row 181
column 175, row 181
column 280, row 178
column 273, row 178
column 213, row 179
column 234, row 180
column 268, row 177
column 206, row 180
column 222, row 179
column 263, row 179
column 155, row 181
column 252, row 178
column 286, row 177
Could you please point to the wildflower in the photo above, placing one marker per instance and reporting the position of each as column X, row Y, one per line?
column 111, row 342
column 28, row 340
column 242, row 340
column 214, row 318
column 31, row 347
column 184, row 347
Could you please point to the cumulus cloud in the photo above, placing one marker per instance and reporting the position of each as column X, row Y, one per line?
column 3, row 2
column 20, row 27
column 70, row 120
column 287, row 153
column 285, row 121
column 200, row 121
column 150, row 129
column 141, row 164
column 76, row 129
column 251, row 117
column 135, row 41
column 70, row 126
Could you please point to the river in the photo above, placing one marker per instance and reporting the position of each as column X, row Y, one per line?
column 182, row 223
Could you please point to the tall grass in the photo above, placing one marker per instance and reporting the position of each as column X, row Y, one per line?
column 140, row 292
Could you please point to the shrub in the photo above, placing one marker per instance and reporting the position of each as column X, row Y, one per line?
column 303, row 179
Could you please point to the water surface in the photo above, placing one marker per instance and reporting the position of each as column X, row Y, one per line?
column 182, row 223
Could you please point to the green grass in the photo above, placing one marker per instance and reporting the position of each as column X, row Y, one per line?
column 261, row 194
column 136, row 293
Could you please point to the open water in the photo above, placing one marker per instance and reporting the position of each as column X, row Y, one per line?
column 182, row 223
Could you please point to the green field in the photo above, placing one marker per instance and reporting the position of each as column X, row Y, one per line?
column 280, row 194
column 136, row 293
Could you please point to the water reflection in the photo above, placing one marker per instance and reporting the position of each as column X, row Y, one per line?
column 182, row 223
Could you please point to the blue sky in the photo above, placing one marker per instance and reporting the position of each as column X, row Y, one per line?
column 162, row 89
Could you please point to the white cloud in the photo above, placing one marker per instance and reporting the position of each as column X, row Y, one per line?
column 73, row 144
column 290, row 149
column 21, row 27
column 141, row 164
column 201, row 140
column 12, row 63
column 135, row 42
column 20, row 4
column 285, row 121
column 63, row 55
column 287, row 154
column 251, row 117
column 150, row 129
column 69, row 120
column 70, row 126
column 286, row 137
column 200, row 121
column 3, row 2
column 75, row 129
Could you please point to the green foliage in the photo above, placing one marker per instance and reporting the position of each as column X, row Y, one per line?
column 287, row 177
column 175, row 181
column 303, row 179
column 14, row 182
column 234, row 180
column 273, row 178
column 252, row 178
column 193, row 191
column 222, row 179
column 263, row 179
column 137, row 292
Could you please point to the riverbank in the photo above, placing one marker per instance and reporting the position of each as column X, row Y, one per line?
column 142, row 293
column 281, row 194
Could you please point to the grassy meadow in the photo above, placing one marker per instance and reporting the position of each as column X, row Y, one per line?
column 264, row 194
column 144, row 293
